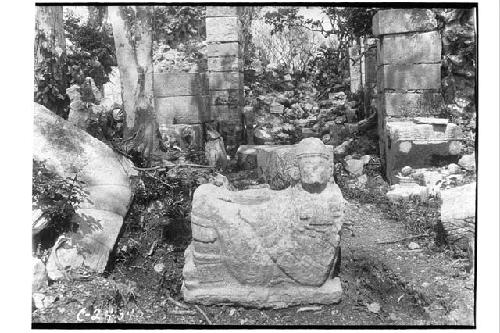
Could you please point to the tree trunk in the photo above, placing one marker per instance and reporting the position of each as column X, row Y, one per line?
column 50, row 52
column 97, row 15
column 132, row 31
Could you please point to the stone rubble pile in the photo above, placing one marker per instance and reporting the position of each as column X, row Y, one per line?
column 294, row 111
column 425, row 182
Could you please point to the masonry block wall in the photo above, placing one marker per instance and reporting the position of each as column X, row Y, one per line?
column 409, row 97
column 181, row 102
column 225, row 72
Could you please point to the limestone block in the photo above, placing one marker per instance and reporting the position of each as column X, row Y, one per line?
column 221, row 11
column 71, row 152
column 226, row 112
column 225, row 80
column 409, row 77
column 247, row 157
column 417, row 145
column 40, row 278
column 184, row 134
column 394, row 21
column 224, row 49
column 407, row 105
column 169, row 84
column 225, row 64
column 458, row 213
column 278, row 164
column 415, row 48
column 182, row 109
column 222, row 29
column 407, row 191
column 229, row 97
column 468, row 162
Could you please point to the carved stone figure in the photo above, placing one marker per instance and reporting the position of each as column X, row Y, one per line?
column 268, row 248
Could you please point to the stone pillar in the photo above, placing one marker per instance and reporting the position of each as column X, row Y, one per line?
column 355, row 68
column 225, row 70
column 369, row 70
column 408, row 85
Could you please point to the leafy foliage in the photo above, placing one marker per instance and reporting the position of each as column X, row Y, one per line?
column 50, row 81
column 56, row 197
column 91, row 53
column 179, row 24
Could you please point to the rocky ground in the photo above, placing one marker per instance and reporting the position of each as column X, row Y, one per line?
column 388, row 278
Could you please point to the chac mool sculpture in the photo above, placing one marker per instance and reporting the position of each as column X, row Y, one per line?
column 266, row 248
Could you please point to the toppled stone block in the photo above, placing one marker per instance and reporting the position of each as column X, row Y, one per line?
column 416, row 145
column 468, row 162
column 40, row 277
column 394, row 21
column 407, row 191
column 277, row 164
column 414, row 48
column 354, row 166
column 241, row 251
column 458, row 214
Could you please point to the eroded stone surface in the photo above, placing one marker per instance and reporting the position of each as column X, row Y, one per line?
column 277, row 164
column 69, row 152
column 267, row 248
column 458, row 213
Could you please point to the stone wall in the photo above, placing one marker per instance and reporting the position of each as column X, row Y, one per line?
column 409, row 91
column 225, row 71
column 181, row 99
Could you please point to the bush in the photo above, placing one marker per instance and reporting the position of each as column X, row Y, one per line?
column 90, row 53
column 57, row 198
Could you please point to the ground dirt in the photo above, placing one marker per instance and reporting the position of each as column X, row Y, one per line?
column 383, row 284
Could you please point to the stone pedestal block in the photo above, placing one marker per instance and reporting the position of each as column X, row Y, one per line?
column 417, row 145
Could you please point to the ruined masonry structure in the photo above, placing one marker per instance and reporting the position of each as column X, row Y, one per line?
column 181, row 102
column 409, row 98
column 225, row 71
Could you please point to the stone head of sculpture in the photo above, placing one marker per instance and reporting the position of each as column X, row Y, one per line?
column 313, row 163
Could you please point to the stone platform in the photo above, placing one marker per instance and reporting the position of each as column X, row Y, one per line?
column 416, row 143
column 227, row 290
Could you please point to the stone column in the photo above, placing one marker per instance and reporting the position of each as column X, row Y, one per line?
column 225, row 70
column 409, row 84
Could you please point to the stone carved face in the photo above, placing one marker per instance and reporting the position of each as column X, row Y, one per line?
column 314, row 172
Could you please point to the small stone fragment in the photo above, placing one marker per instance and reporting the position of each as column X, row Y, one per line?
column 373, row 307
column 355, row 166
column 413, row 246
column 406, row 171
column 159, row 268
column 468, row 162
